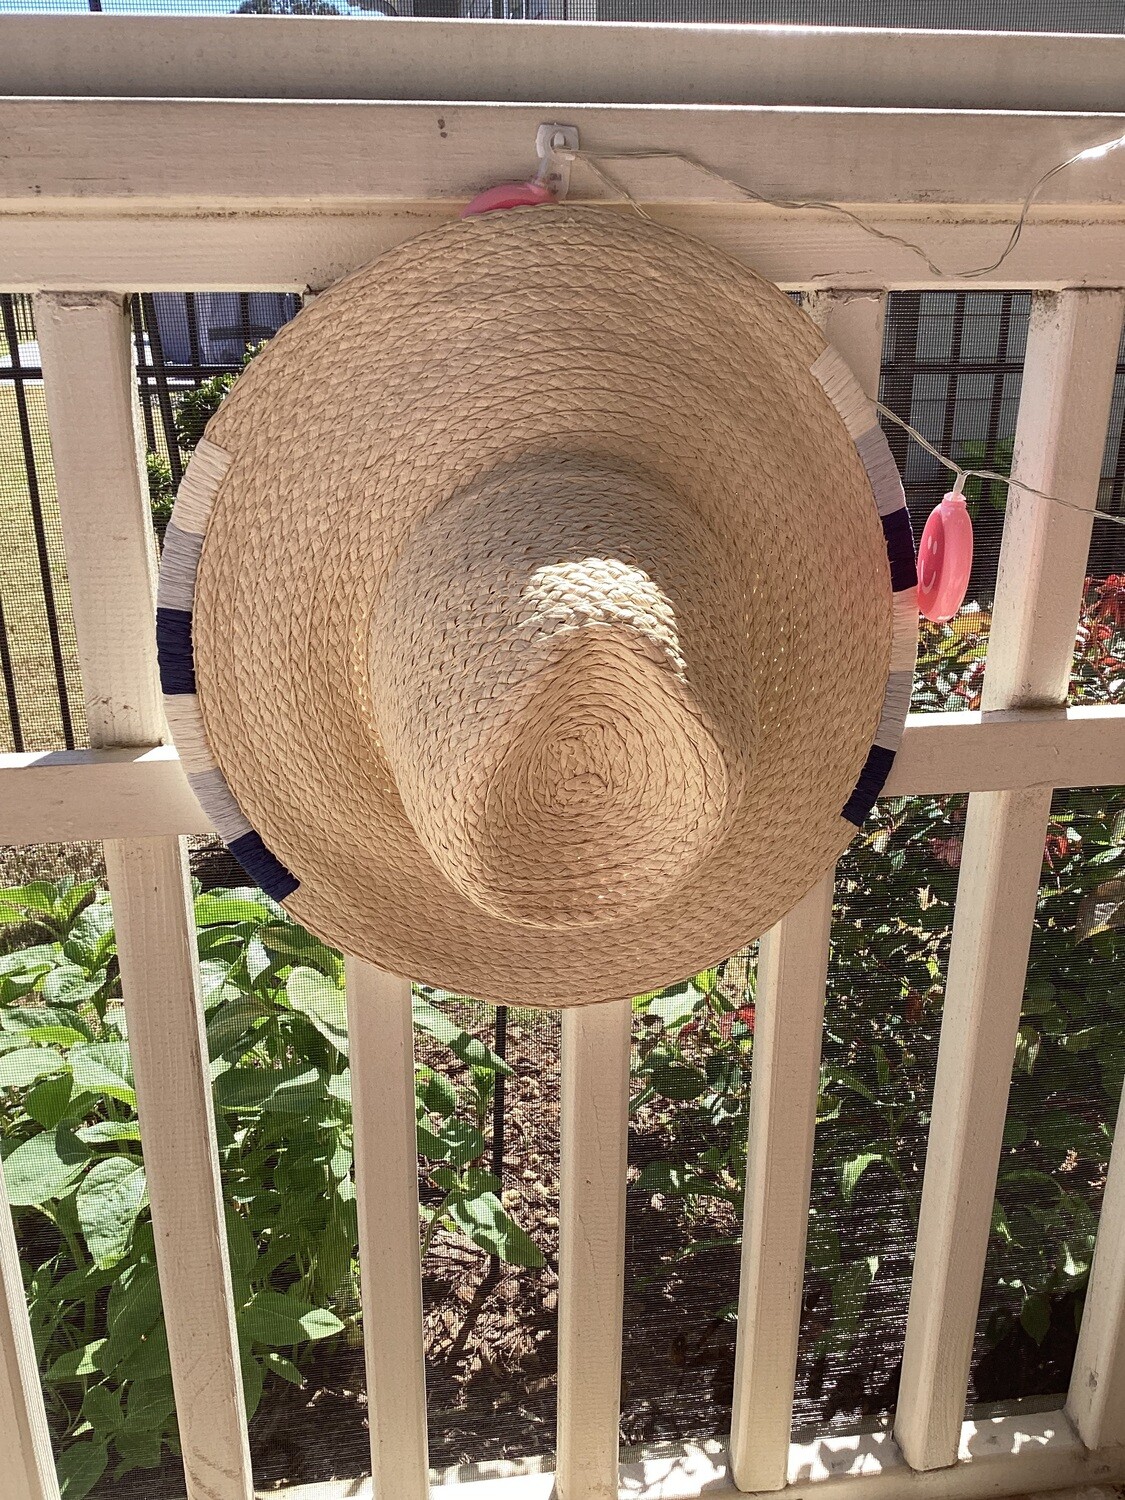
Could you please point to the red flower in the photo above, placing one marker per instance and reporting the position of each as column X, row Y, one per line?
column 947, row 852
column 1111, row 602
column 1056, row 849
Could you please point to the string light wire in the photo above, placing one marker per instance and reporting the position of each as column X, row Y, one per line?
column 595, row 160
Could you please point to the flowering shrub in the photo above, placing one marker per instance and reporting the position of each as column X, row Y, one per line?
column 1099, row 660
column 892, row 921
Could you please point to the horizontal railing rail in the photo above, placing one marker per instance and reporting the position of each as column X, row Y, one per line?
column 54, row 796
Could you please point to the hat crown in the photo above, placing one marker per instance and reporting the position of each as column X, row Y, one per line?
column 533, row 678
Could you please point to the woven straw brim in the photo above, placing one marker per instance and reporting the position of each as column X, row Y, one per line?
column 598, row 339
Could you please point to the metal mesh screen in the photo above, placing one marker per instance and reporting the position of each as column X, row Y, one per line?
column 38, row 659
column 691, row 1065
column 489, row 1099
column 1093, row 16
column 1066, row 1084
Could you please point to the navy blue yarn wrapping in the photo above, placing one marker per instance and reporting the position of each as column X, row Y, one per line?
column 876, row 769
column 174, row 652
column 900, row 550
column 263, row 868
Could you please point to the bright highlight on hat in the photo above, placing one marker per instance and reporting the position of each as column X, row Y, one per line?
column 494, row 621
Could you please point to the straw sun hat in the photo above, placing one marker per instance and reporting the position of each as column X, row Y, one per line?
column 537, row 617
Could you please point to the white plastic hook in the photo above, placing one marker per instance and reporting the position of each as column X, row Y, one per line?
column 556, row 146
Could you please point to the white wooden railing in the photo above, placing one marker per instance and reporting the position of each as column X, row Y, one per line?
column 208, row 154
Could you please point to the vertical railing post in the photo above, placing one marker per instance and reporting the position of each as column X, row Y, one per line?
column 594, row 1135
column 1060, row 437
column 784, row 1087
column 90, row 388
column 1096, row 1403
column 381, row 1057
column 27, row 1463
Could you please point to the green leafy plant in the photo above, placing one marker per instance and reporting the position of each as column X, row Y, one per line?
column 71, row 1149
column 161, row 491
column 195, row 407
column 892, row 922
column 981, row 494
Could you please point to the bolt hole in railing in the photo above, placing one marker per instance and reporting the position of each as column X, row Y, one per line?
column 853, row 1106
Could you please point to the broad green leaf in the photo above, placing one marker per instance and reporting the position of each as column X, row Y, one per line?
column 340, row 1087
column 138, row 1448
column 252, row 1380
column 1074, row 1266
column 284, row 1367
column 149, row 1359
column 823, row 1246
column 1029, row 1177
column 666, row 1177
column 455, row 1141
column 90, row 939
column 481, row 1218
column 102, row 1409
column 109, row 1199
column 692, row 1185
column 38, row 1023
column 1000, row 1225
column 851, row 1171
column 276, row 1318
column 71, row 896
column 213, row 976
column 850, row 1285
column 18, row 1070
column 640, row 1003
column 296, row 1090
column 676, row 1009
column 70, row 985
column 86, row 1281
column 1035, row 1315
column 288, row 940
column 220, row 909
column 674, row 1079
column 37, row 898
column 56, row 1036
column 150, row 1402
column 1015, row 1131
column 44, row 1167
column 76, row 1364
column 465, row 1047
column 48, row 1102
column 435, row 1094
column 231, row 1021
column 317, row 998
column 132, row 1316
column 104, row 1068
column 109, row 1130
column 80, row 1466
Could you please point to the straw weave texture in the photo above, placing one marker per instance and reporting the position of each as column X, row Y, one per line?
column 543, row 619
